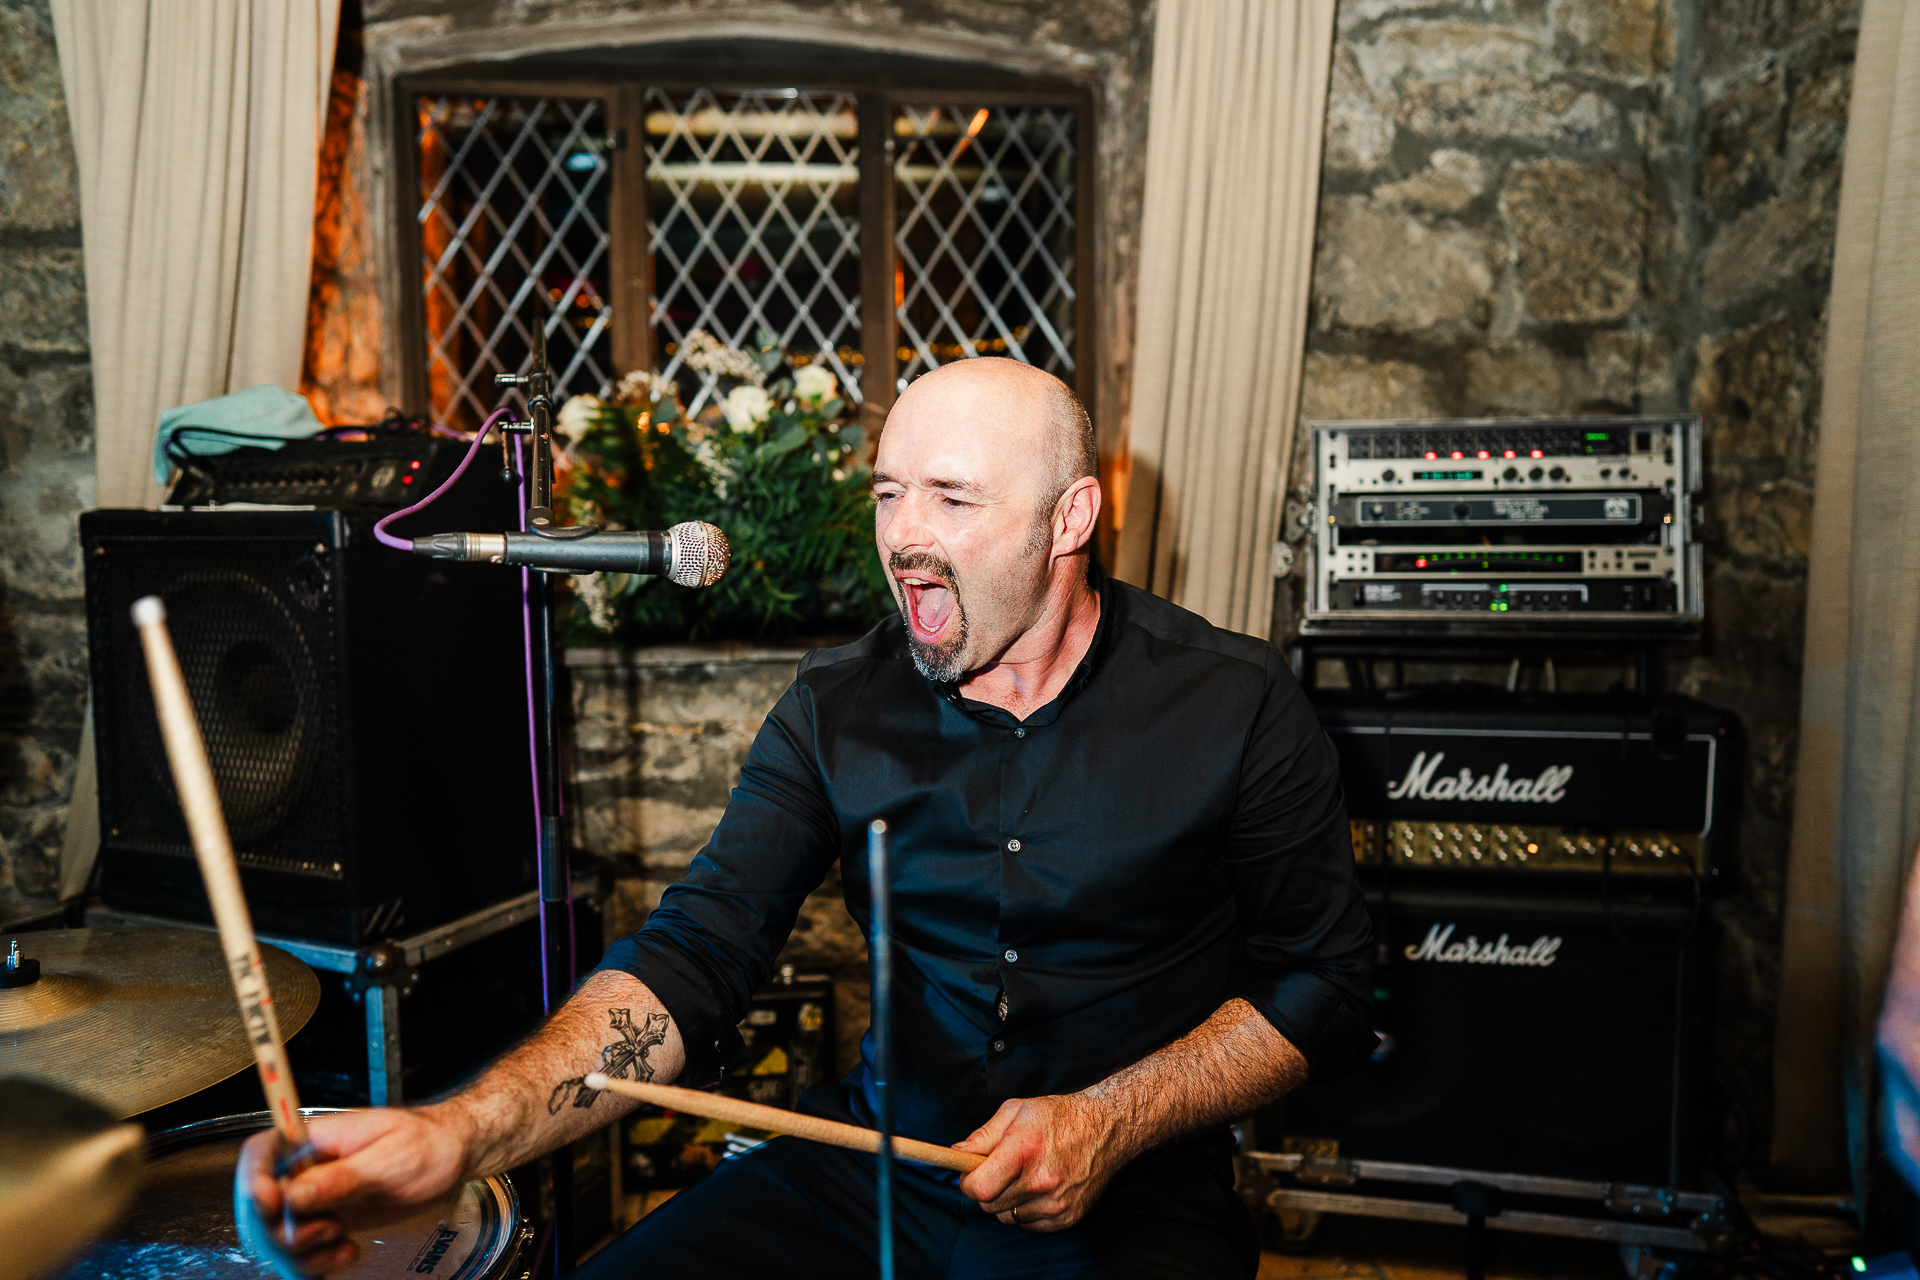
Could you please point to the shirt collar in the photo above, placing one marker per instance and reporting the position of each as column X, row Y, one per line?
column 1096, row 652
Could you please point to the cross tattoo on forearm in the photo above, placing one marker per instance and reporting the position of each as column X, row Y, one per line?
column 625, row 1058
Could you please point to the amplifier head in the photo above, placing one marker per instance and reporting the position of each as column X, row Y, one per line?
column 1523, row 784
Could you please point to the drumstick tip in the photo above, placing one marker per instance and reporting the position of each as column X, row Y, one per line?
column 595, row 1080
column 149, row 611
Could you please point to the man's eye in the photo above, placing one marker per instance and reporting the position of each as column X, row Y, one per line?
column 955, row 502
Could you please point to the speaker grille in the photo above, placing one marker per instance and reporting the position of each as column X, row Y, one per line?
column 255, row 623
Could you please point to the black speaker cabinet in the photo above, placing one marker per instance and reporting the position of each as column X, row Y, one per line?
column 365, row 712
column 1541, row 1030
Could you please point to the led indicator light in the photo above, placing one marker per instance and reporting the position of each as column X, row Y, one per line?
column 1533, row 848
column 1535, row 453
column 1456, row 454
column 1509, row 454
column 416, row 464
column 406, row 479
column 1431, row 455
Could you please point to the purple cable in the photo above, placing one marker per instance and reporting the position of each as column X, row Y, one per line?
column 533, row 733
column 533, row 745
column 402, row 544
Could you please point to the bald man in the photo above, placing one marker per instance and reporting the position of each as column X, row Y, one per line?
column 1126, row 910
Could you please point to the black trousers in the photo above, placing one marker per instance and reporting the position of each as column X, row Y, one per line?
column 793, row 1208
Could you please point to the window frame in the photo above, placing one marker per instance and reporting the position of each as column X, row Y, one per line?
column 621, row 90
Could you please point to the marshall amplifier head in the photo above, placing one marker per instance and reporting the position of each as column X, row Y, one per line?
column 1471, row 782
column 1553, row 526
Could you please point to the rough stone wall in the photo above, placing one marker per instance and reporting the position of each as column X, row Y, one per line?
column 1553, row 206
column 1773, row 82
column 46, row 451
column 658, row 738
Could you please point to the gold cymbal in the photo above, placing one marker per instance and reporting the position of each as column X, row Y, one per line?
column 67, row 1170
column 137, row 1018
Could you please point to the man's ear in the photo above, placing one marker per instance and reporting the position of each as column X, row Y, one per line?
column 1075, row 515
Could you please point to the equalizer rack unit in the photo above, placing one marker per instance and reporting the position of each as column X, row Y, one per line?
column 1514, row 526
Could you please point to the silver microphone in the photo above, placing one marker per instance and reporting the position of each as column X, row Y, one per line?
column 692, row 553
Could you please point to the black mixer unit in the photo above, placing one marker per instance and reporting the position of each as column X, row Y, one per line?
column 1459, row 783
column 386, row 471
column 1475, row 527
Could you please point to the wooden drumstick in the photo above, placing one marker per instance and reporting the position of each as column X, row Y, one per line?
column 193, row 779
column 717, row 1107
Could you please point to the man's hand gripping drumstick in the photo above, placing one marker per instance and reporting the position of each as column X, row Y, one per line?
column 193, row 779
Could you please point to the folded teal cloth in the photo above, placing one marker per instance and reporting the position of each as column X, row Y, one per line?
column 211, row 426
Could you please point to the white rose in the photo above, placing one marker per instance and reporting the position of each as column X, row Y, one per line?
column 813, row 385
column 576, row 415
column 746, row 407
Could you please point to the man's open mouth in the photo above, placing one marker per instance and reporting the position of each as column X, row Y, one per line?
column 930, row 605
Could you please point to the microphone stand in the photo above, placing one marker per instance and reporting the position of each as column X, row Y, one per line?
column 881, row 945
column 553, row 866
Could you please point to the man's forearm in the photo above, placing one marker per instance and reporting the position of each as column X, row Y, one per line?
column 535, row 1098
column 1229, row 1066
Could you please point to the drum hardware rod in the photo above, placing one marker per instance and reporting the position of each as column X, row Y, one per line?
column 881, row 946
column 715, row 1106
column 213, row 849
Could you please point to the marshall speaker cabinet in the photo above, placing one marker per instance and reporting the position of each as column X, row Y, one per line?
column 1537, row 869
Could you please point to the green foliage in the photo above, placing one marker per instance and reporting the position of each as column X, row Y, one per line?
column 785, row 477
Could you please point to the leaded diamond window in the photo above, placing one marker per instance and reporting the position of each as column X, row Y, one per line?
column 513, row 233
column 626, row 213
column 754, row 220
column 985, row 236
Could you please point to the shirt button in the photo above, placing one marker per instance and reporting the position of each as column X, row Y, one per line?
column 999, row 1046
column 1019, row 733
column 1010, row 956
column 1013, row 846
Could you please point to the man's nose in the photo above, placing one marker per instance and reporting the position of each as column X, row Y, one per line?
column 906, row 528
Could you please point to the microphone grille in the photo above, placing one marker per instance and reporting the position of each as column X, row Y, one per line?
column 701, row 554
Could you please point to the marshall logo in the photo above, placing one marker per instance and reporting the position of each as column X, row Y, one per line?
column 1439, row 947
column 1550, row 787
column 435, row 1249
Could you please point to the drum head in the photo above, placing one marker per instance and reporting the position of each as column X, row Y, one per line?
column 182, row 1222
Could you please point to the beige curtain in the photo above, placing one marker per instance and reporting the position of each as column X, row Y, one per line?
column 197, row 124
column 1857, row 806
column 1233, row 175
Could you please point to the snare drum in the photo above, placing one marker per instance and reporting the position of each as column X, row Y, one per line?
column 182, row 1221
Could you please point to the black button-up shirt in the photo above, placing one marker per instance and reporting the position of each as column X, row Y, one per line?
column 1071, row 891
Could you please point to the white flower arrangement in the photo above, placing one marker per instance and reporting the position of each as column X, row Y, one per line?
column 639, row 388
column 747, row 407
column 813, row 385
column 709, row 355
column 576, row 415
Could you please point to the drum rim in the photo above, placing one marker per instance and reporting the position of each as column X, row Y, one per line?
column 514, row 1231
column 167, row 1141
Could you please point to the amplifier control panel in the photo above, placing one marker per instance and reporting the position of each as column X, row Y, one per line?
column 1514, row 847
column 1485, row 524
